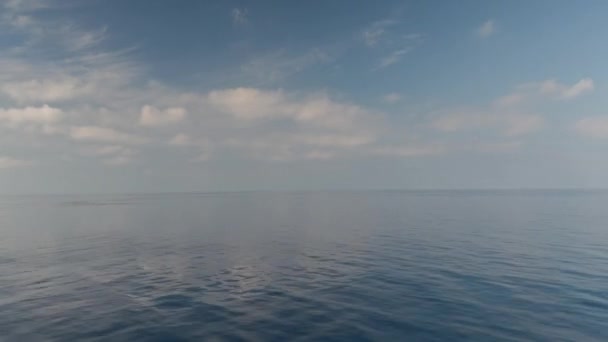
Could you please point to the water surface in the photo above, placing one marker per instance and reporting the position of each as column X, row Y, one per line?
column 335, row 266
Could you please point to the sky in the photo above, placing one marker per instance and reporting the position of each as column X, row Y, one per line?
column 154, row 96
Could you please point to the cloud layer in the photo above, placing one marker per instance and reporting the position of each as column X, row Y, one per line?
column 101, row 104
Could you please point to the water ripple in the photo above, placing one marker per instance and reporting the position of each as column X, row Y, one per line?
column 333, row 267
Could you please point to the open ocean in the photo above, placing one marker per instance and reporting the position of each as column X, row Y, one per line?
column 309, row 266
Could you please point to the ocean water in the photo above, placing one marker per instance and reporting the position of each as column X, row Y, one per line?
column 333, row 266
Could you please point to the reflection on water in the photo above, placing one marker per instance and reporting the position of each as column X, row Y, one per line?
column 349, row 266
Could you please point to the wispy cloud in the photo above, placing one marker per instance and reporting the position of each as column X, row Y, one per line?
column 548, row 89
column 514, row 114
column 386, row 37
column 486, row 29
column 277, row 66
column 399, row 48
column 391, row 98
column 562, row 91
column 393, row 58
column 240, row 16
column 376, row 31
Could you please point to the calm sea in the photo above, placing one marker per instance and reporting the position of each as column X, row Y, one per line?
column 335, row 266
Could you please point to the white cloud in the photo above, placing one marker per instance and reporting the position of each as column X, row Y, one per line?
column 9, row 162
column 30, row 115
column 255, row 104
column 487, row 29
column 93, row 78
column 98, row 91
column 152, row 116
column 317, row 111
column 593, row 127
column 240, row 16
column 46, row 90
column 102, row 134
column 249, row 103
column 391, row 98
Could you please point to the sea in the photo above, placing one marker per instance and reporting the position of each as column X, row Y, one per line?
column 487, row 265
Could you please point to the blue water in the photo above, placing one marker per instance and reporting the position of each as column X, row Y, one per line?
column 336, row 266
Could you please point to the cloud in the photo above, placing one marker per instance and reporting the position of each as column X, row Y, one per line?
column 44, row 31
column 46, row 90
column 391, row 98
column 102, row 134
column 9, row 162
column 393, row 58
column 240, row 16
column 92, row 78
column 152, row 116
column 279, row 126
column 372, row 34
column 593, row 127
column 545, row 90
column 249, row 103
column 487, row 29
column 511, row 114
column 256, row 104
column 552, row 87
column 75, row 66
column 399, row 47
column 26, row 5
column 385, row 37
column 102, row 102
column 30, row 115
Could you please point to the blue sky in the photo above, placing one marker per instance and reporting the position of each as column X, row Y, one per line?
column 130, row 96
